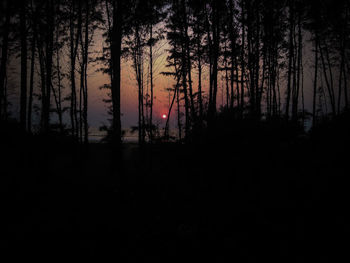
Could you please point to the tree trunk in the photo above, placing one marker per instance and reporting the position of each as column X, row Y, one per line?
column 72, row 73
column 188, row 60
column 315, row 83
column 184, row 85
column 242, row 59
column 329, row 86
column 3, row 65
column 116, row 42
column 48, row 64
column 179, row 125
column 23, row 30
column 329, row 64
column 233, row 58
column 31, row 81
column 226, row 78
column 85, row 61
column 341, row 66
column 290, row 58
column 216, row 41
column 199, row 77
column 59, row 90
column 345, row 90
column 166, row 130
column 151, row 80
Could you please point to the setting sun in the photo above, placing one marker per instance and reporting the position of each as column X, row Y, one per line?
column 164, row 116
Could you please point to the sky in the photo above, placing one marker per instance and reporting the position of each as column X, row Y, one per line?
column 97, row 108
column 129, row 94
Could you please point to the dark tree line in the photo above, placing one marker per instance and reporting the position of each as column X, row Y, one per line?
column 255, row 53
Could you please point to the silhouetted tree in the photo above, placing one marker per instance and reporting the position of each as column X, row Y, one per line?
column 5, row 32
column 119, row 13
column 255, row 47
column 23, row 32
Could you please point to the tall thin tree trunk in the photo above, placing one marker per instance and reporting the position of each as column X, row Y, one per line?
column 210, row 57
column 300, row 64
column 242, row 59
column 116, row 42
column 23, row 30
column 290, row 57
column 81, row 90
column 329, row 86
column 188, row 60
column 151, row 82
column 31, row 81
column 179, row 125
column 216, row 41
column 233, row 57
column 74, row 43
column 85, row 93
column 72, row 74
column 184, row 86
column 226, row 79
column 59, row 90
column 330, row 78
column 341, row 66
column 315, row 83
column 259, row 91
column 138, row 72
column 3, row 65
column 43, row 82
column 48, row 64
column 166, row 130
column 344, row 70
column 345, row 90
column 199, row 76
column 58, row 97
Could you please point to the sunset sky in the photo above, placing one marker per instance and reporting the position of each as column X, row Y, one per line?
column 97, row 108
column 129, row 94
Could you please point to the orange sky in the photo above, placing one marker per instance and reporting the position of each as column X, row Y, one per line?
column 97, row 109
column 129, row 93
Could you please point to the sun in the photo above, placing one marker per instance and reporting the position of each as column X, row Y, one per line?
column 164, row 116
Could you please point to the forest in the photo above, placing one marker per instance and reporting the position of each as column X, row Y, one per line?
column 251, row 161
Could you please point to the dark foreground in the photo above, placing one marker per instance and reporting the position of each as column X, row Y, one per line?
column 255, row 196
